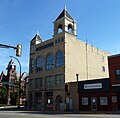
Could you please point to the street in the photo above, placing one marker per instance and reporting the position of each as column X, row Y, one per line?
column 31, row 114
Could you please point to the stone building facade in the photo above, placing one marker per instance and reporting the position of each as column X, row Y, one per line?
column 56, row 61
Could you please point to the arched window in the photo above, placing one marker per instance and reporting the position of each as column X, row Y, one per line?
column 59, row 59
column 59, row 28
column 70, row 28
column 49, row 62
column 39, row 64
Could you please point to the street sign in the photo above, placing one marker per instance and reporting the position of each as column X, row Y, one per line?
column 7, row 82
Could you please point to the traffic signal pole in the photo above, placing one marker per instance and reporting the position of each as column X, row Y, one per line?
column 7, row 46
column 17, row 48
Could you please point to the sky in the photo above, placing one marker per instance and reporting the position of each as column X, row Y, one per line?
column 20, row 20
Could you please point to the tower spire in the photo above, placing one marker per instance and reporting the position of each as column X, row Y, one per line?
column 65, row 10
column 37, row 32
column 65, row 7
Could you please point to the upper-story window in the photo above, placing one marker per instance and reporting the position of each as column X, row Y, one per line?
column 49, row 62
column 62, row 39
column 103, row 68
column 59, row 59
column 38, row 82
column 39, row 64
column 59, row 79
column 70, row 28
column 60, row 28
column 31, row 83
column 117, row 72
column 49, row 81
column 103, row 58
column 32, row 66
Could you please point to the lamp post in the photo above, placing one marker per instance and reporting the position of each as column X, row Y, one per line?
column 19, row 81
column 77, row 77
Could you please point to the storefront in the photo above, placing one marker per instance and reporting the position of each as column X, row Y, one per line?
column 95, row 95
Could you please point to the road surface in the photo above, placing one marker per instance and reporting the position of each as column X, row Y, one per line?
column 31, row 114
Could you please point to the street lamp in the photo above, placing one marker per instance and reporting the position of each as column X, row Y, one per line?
column 19, row 80
column 77, row 77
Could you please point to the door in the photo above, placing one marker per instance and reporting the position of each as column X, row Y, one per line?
column 94, row 104
column 118, row 100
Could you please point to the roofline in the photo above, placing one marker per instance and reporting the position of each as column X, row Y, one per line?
column 116, row 55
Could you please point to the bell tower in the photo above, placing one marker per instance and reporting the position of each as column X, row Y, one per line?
column 65, row 23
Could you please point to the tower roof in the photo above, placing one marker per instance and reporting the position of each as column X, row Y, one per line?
column 64, row 13
column 37, row 37
column 11, row 62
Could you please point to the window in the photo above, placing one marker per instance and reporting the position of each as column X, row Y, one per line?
column 70, row 28
column 62, row 39
column 59, row 79
column 60, row 28
column 38, row 82
column 84, row 101
column 117, row 74
column 38, row 98
column 103, row 68
column 59, row 59
column 31, row 83
column 45, row 46
column 39, row 64
column 49, row 81
column 103, row 58
column 103, row 101
column 49, row 100
column 56, row 41
column 49, row 62
column 59, row 40
column 31, row 66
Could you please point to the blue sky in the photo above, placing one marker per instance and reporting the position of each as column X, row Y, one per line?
column 21, row 19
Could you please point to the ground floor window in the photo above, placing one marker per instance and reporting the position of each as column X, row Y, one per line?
column 38, row 98
column 49, row 100
column 84, row 101
column 103, row 101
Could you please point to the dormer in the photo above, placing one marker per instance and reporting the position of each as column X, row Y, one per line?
column 36, row 40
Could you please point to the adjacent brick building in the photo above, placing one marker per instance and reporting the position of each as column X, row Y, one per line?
column 114, row 71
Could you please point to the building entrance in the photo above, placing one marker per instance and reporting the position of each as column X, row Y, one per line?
column 58, row 101
column 118, row 100
column 94, row 104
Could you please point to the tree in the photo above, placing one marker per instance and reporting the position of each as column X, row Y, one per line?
column 13, row 97
column 3, row 93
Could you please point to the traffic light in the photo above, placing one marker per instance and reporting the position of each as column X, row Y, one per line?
column 18, row 50
column 66, row 87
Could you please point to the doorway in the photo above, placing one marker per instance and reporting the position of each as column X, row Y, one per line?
column 118, row 100
column 57, row 102
column 94, row 104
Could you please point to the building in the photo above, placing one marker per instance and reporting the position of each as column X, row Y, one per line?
column 98, row 94
column 56, row 61
column 11, row 81
column 114, row 72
